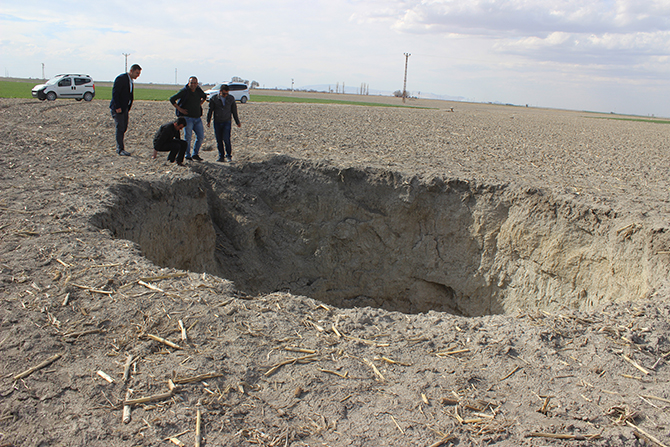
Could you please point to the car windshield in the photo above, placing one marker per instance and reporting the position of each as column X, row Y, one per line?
column 217, row 87
column 54, row 81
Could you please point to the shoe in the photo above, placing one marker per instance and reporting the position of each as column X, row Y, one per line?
column 196, row 157
column 188, row 158
column 229, row 159
column 179, row 163
column 122, row 152
column 221, row 160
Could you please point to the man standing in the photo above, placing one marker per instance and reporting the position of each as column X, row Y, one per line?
column 122, row 101
column 223, row 106
column 168, row 139
column 188, row 102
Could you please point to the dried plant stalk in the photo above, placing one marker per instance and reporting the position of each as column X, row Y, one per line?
column 170, row 276
column 301, row 350
column 45, row 363
column 510, row 374
column 149, row 286
column 105, row 376
column 82, row 333
column 304, row 359
column 374, row 369
column 335, row 373
column 563, row 436
column 126, row 367
column 645, row 434
column 443, row 441
column 154, row 398
column 164, row 341
column 127, row 409
column 198, row 437
column 456, row 351
column 635, row 364
column 92, row 290
column 184, row 337
column 199, row 378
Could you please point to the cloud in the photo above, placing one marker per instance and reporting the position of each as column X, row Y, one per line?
column 539, row 18
column 603, row 33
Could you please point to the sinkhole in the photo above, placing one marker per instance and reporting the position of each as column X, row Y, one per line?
column 364, row 237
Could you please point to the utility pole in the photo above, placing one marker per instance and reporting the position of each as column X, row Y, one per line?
column 404, row 85
column 126, row 55
column 292, row 85
column 43, row 71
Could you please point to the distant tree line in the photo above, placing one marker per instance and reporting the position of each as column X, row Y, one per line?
column 253, row 84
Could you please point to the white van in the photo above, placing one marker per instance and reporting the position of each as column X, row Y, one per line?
column 238, row 90
column 77, row 86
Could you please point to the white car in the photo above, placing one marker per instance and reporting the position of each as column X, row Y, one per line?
column 77, row 86
column 238, row 90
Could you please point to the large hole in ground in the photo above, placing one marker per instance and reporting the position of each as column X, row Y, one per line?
column 370, row 238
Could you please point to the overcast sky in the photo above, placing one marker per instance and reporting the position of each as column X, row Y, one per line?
column 600, row 55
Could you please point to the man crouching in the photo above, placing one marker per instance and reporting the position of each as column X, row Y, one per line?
column 168, row 139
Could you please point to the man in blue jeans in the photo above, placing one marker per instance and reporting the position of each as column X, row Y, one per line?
column 188, row 102
column 223, row 107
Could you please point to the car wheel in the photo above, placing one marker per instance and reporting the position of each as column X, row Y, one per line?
column 51, row 96
column 88, row 96
column 243, row 100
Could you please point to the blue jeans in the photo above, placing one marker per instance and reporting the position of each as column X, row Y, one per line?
column 222, row 133
column 121, row 121
column 193, row 124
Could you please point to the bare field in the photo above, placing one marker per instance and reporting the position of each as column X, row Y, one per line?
column 358, row 276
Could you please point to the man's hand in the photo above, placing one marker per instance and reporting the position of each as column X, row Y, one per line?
column 118, row 110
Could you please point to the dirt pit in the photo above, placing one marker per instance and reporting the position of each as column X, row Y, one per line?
column 488, row 276
column 355, row 238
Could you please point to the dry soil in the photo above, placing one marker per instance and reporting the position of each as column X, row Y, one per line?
column 272, row 368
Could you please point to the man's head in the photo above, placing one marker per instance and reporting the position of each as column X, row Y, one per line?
column 192, row 83
column 135, row 71
column 180, row 123
column 223, row 91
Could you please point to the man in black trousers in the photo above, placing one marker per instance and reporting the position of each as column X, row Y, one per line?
column 168, row 139
column 122, row 101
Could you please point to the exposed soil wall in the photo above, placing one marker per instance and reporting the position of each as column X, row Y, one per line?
column 170, row 222
column 368, row 237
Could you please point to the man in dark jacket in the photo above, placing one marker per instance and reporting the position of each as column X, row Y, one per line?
column 168, row 139
column 188, row 102
column 122, row 101
column 223, row 107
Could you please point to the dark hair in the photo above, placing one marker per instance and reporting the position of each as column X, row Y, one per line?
column 225, row 88
column 135, row 67
column 181, row 121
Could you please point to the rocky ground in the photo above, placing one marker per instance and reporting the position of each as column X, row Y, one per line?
column 87, row 324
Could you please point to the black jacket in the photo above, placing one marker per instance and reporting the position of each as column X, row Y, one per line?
column 191, row 101
column 221, row 110
column 122, row 97
column 165, row 134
